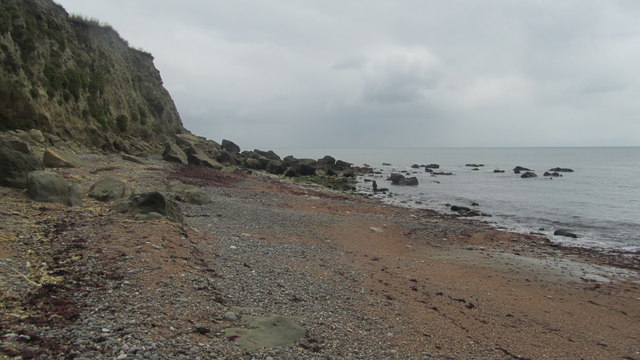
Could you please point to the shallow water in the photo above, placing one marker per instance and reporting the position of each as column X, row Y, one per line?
column 600, row 200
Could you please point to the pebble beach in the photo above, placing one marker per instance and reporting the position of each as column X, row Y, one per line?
column 272, row 269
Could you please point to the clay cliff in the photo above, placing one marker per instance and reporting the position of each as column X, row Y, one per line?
column 78, row 79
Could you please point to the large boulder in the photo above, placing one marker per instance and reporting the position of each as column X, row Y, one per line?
column 327, row 160
column 189, row 193
column 108, row 189
column 17, row 159
column 196, row 156
column 150, row 202
column 57, row 158
column 230, row 146
column 271, row 155
column 528, row 175
column 46, row 186
column 410, row 181
column 395, row 178
column 276, row 167
column 172, row 152
column 342, row 165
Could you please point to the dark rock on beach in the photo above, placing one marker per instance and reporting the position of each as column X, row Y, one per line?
column 150, row 202
column 108, row 189
column 45, row 186
column 17, row 159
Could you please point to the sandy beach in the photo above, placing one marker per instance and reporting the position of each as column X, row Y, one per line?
column 325, row 274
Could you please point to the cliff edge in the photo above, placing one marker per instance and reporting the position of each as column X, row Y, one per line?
column 78, row 79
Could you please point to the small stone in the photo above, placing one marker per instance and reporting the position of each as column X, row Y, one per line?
column 375, row 229
column 230, row 316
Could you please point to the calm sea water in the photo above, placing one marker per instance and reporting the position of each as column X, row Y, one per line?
column 599, row 201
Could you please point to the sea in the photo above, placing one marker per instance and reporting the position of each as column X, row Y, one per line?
column 599, row 201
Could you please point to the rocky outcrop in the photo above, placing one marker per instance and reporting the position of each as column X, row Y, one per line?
column 108, row 189
column 173, row 153
column 528, row 175
column 230, row 146
column 77, row 79
column 45, row 186
column 150, row 203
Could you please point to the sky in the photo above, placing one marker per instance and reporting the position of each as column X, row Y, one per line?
column 401, row 73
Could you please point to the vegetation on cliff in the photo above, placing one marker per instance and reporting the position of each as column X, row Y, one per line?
column 77, row 78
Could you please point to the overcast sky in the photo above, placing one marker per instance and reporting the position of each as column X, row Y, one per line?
column 394, row 73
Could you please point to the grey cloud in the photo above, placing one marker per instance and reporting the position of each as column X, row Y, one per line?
column 393, row 73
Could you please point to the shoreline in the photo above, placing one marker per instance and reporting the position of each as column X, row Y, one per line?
column 365, row 280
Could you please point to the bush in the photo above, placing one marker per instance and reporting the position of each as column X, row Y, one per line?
column 122, row 121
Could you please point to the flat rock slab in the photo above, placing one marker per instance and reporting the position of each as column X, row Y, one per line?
column 266, row 332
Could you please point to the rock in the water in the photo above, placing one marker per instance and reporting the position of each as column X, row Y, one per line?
column 559, row 169
column 519, row 169
column 460, row 209
column 565, row 233
column 395, row 178
column 474, row 165
column 17, row 159
column 415, row 166
column 399, row 179
column 410, row 181
column 552, row 174
column 528, row 175
column 46, row 186
column 189, row 193
column 230, row 146
column 108, row 189
column 498, row 171
column 172, row 152
column 432, row 166
column 148, row 203
column 56, row 158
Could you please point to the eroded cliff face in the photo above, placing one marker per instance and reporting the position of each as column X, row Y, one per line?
column 79, row 80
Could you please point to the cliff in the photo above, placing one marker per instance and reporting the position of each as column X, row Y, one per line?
column 78, row 79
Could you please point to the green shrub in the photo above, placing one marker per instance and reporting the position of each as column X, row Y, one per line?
column 122, row 121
